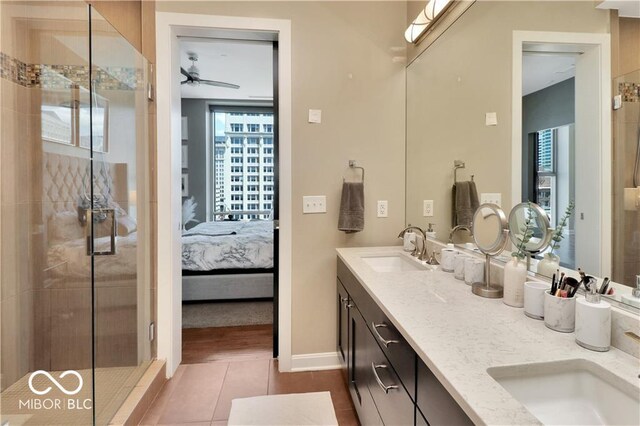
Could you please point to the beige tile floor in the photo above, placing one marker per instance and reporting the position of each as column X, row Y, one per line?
column 200, row 393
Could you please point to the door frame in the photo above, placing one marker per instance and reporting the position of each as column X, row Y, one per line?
column 601, row 41
column 169, row 287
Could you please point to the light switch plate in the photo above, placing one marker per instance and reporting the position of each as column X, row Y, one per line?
column 491, row 197
column 315, row 116
column 314, row 204
column 383, row 208
column 427, row 208
column 491, row 119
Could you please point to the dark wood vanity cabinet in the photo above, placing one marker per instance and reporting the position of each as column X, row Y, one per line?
column 388, row 383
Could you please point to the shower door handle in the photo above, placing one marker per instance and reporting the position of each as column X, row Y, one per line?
column 102, row 215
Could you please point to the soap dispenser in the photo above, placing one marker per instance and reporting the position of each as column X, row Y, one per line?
column 593, row 322
column 430, row 232
column 634, row 298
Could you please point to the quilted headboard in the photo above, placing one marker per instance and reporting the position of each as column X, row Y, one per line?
column 65, row 179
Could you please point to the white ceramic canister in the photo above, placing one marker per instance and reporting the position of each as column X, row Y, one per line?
column 473, row 270
column 447, row 256
column 534, row 299
column 458, row 266
column 409, row 241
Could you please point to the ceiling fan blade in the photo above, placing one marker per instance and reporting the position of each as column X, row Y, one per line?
column 219, row 84
column 185, row 82
column 185, row 73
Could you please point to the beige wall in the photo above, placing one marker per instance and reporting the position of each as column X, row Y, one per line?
column 363, row 119
column 468, row 71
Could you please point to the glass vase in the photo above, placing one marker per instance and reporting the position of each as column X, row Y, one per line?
column 515, row 274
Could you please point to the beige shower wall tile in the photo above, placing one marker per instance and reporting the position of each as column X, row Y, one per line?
column 16, row 156
column 9, row 336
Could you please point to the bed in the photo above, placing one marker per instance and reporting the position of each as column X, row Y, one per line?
column 64, row 280
column 227, row 260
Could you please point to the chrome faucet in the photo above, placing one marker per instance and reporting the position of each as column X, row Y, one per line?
column 422, row 254
column 458, row 228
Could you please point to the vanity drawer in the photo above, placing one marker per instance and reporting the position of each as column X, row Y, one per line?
column 392, row 400
column 435, row 403
column 395, row 347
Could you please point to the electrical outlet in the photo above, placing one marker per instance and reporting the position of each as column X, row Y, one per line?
column 314, row 204
column 383, row 208
column 427, row 208
column 491, row 197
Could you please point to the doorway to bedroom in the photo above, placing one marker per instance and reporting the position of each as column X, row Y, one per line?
column 229, row 198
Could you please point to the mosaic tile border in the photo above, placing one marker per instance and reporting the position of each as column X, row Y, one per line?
column 630, row 92
column 66, row 76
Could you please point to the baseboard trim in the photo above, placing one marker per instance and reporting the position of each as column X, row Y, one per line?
column 316, row 362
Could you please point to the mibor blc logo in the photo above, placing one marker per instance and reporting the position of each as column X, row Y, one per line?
column 55, row 403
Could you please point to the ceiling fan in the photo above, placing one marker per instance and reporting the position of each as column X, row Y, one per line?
column 193, row 75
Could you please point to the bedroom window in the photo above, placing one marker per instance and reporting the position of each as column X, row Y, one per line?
column 241, row 160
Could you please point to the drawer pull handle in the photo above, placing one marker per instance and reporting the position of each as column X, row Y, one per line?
column 382, row 340
column 346, row 303
column 385, row 388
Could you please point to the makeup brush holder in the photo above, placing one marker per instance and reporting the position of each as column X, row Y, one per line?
column 559, row 313
column 448, row 257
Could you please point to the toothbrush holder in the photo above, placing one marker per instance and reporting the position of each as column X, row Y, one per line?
column 559, row 313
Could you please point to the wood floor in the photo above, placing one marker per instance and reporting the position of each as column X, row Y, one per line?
column 224, row 363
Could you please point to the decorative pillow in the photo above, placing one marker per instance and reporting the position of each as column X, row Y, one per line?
column 126, row 225
column 64, row 226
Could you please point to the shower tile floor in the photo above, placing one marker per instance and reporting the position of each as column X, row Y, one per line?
column 235, row 362
column 112, row 387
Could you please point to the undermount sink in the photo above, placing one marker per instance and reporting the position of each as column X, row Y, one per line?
column 571, row 392
column 392, row 263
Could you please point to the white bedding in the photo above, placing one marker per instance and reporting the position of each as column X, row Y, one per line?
column 69, row 259
column 228, row 245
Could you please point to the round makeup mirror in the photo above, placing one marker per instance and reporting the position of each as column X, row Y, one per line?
column 489, row 228
column 538, row 224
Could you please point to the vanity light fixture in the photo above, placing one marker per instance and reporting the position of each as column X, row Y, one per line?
column 425, row 19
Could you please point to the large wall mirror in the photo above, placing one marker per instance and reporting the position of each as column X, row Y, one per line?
column 520, row 92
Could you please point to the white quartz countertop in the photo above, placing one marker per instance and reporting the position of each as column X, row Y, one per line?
column 459, row 336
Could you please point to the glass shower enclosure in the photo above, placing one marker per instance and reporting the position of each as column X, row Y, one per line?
column 74, row 242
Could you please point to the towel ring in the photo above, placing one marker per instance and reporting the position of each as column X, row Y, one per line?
column 352, row 165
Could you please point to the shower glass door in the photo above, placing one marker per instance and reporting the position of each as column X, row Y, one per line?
column 74, row 241
column 121, row 298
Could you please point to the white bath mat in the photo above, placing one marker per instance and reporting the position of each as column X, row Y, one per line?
column 313, row 408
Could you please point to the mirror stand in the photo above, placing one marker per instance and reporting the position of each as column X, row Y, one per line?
column 486, row 289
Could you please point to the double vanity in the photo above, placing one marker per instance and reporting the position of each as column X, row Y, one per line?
column 419, row 348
